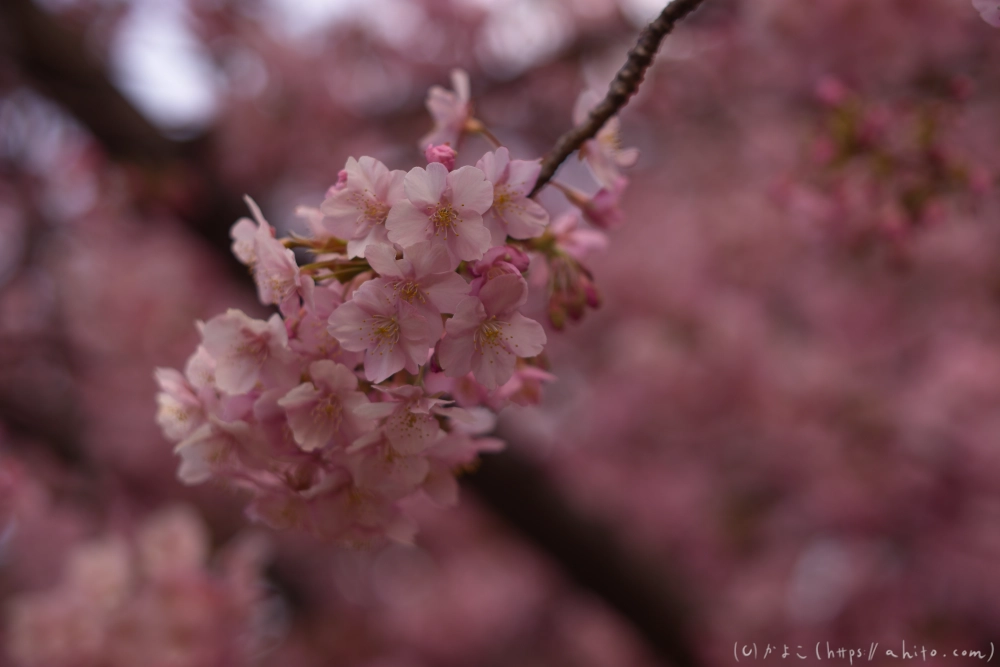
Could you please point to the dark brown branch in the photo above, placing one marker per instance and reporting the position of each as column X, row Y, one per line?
column 624, row 86
column 589, row 552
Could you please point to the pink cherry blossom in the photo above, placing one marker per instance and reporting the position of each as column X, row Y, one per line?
column 378, row 466
column 392, row 333
column 425, row 278
column 308, row 333
column 452, row 110
column 248, row 351
column 179, row 409
column 513, row 213
column 334, row 507
column 442, row 153
column 487, row 334
column 989, row 10
column 357, row 211
column 604, row 153
column 274, row 268
column 212, row 450
column 443, row 207
column 576, row 241
column 498, row 261
column 322, row 412
column 409, row 415
column 523, row 388
column 602, row 209
column 465, row 391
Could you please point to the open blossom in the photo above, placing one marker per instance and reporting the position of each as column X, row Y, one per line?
column 513, row 213
column 357, row 211
column 487, row 334
column 410, row 418
column 424, row 278
column 274, row 269
column 322, row 411
column 248, row 351
column 213, row 449
column 989, row 10
column 392, row 333
column 451, row 110
column 604, row 153
column 445, row 208
column 184, row 398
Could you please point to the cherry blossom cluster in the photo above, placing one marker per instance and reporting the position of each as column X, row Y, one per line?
column 886, row 168
column 146, row 600
column 396, row 344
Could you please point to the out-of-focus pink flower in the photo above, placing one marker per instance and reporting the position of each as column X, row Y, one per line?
column 831, row 91
column 392, row 333
column 989, row 10
column 451, row 110
column 154, row 602
column 574, row 240
column 248, row 351
column 487, row 334
column 212, row 449
column 180, row 409
column 604, row 153
column 443, row 207
column 523, row 388
column 601, row 209
column 274, row 268
column 357, row 211
column 513, row 213
column 323, row 411
column 442, row 153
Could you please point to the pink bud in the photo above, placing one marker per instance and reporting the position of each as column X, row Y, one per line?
column 339, row 185
column 442, row 153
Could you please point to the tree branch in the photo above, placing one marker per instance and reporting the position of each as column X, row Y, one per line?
column 590, row 552
column 625, row 85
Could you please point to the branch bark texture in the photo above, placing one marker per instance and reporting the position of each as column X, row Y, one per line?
column 625, row 85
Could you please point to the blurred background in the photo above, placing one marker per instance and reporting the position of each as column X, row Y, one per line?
column 782, row 426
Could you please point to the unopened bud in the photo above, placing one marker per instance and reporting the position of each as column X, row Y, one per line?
column 442, row 153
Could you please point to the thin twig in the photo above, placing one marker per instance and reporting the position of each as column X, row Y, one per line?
column 624, row 86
